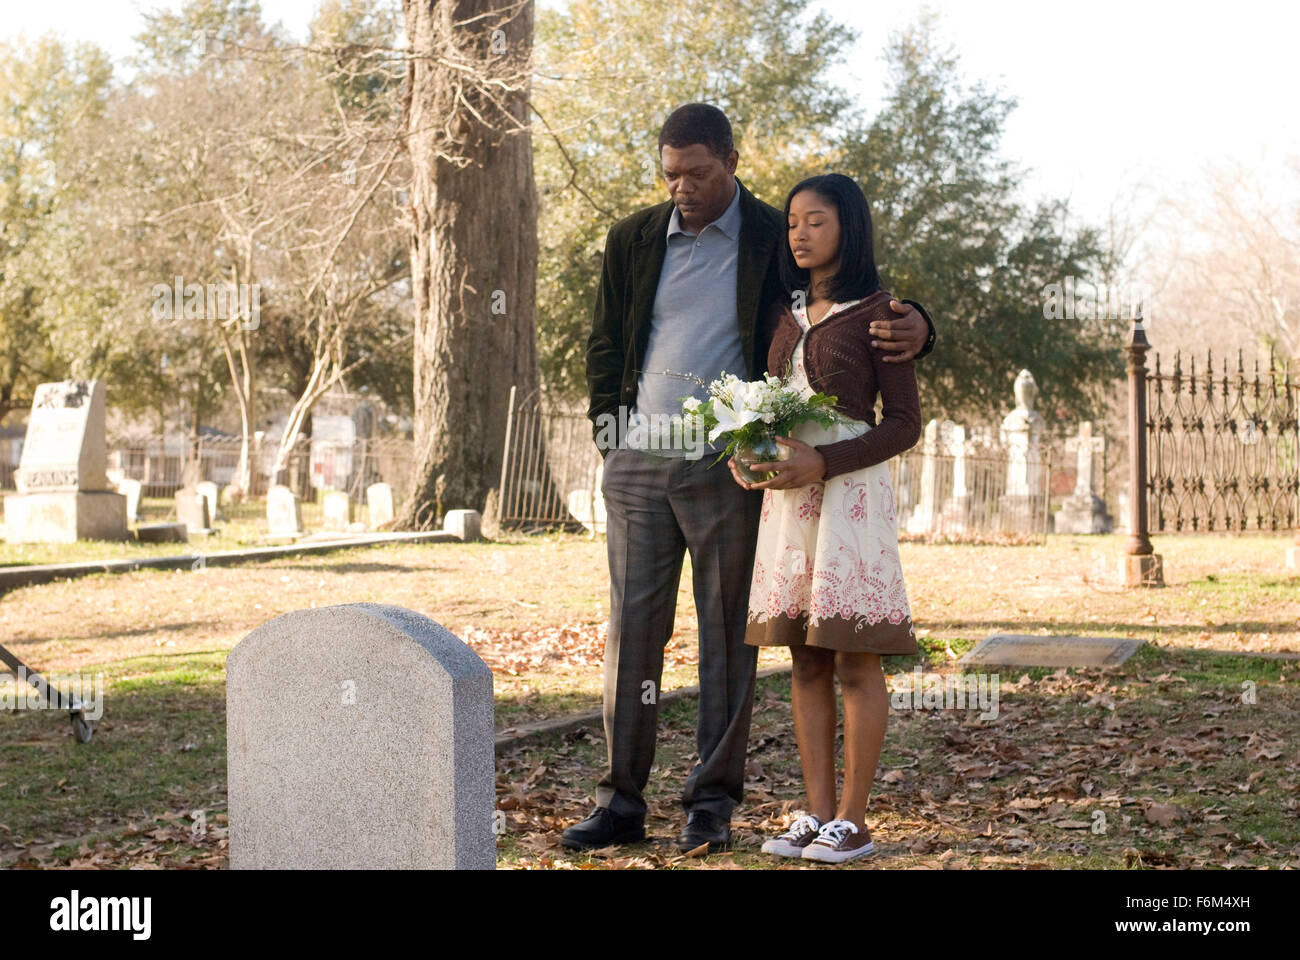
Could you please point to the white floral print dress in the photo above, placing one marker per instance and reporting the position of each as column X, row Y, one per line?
column 826, row 569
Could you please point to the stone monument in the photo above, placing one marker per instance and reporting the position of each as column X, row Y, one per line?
column 63, row 491
column 1021, row 435
column 1084, row 511
column 359, row 736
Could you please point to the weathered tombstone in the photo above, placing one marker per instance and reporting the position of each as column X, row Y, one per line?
column 192, row 510
column 283, row 511
column 923, row 516
column 588, row 505
column 1122, row 508
column 130, row 489
column 1021, row 436
column 359, row 736
column 63, row 492
column 209, row 491
column 1083, row 511
column 379, row 503
column 466, row 524
column 337, row 506
column 956, row 506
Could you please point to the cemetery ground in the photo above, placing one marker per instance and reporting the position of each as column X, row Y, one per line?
column 1161, row 762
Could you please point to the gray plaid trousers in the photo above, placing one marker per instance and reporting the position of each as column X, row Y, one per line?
column 657, row 508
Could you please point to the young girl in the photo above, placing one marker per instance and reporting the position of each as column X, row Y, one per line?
column 827, row 578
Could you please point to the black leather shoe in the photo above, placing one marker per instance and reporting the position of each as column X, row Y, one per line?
column 602, row 829
column 704, row 827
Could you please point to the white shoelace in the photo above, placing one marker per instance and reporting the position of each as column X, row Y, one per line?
column 804, row 825
column 836, row 831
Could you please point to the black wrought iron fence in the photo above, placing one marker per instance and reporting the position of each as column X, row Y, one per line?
column 550, row 469
column 1223, row 451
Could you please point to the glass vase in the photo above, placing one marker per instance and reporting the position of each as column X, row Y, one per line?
column 763, row 450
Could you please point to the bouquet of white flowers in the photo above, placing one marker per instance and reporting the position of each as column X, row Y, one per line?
column 752, row 414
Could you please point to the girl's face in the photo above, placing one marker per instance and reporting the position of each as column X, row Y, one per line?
column 814, row 232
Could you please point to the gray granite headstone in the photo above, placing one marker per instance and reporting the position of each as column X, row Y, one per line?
column 359, row 736
column 379, row 502
column 1025, row 650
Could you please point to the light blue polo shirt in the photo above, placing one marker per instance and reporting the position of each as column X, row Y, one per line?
column 693, row 327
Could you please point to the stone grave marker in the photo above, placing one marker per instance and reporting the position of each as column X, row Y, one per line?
column 379, row 503
column 1084, row 511
column 337, row 507
column 130, row 489
column 162, row 533
column 466, row 524
column 192, row 510
column 209, row 492
column 359, row 736
column 62, row 480
column 283, row 511
column 1021, row 435
column 1022, row 650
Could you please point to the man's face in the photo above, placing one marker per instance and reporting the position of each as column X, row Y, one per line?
column 699, row 183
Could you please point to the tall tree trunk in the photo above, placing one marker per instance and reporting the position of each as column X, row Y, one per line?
column 473, row 244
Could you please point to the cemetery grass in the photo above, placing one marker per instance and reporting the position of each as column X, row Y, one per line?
column 535, row 608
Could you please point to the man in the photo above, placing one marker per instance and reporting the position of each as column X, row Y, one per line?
column 682, row 289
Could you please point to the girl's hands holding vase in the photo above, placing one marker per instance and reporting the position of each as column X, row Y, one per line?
column 804, row 466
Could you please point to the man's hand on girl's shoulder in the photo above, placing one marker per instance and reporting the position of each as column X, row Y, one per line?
column 905, row 335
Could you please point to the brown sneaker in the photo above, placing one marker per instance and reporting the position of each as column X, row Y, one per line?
column 792, row 843
column 840, row 840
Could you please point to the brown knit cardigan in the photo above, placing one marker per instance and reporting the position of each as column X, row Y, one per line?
column 839, row 360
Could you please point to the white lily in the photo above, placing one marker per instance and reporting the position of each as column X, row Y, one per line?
column 729, row 419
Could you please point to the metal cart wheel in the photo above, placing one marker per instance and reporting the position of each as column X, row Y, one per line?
column 82, row 728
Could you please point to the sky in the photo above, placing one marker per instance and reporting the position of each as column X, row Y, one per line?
column 1113, row 94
